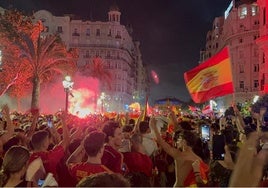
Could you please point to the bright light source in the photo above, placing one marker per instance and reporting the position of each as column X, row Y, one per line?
column 255, row 99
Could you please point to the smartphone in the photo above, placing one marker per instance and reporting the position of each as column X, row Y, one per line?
column 49, row 123
column 205, row 132
column 40, row 182
column 218, row 143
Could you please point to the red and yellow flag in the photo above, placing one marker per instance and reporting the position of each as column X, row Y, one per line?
column 211, row 79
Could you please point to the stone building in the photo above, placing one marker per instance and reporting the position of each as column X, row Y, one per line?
column 112, row 43
column 238, row 28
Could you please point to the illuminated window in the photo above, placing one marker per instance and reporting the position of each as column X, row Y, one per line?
column 243, row 12
column 254, row 9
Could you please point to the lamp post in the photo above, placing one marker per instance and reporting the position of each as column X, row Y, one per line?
column 102, row 97
column 68, row 86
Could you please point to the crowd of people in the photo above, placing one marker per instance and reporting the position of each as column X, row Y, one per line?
column 158, row 151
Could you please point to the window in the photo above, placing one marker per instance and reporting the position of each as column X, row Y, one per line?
column 264, row 16
column 59, row 29
column 87, row 54
column 241, row 84
column 241, row 68
column 75, row 33
column 256, row 83
column 110, row 32
column 108, row 54
column 118, row 35
column 254, row 10
column 243, row 12
column 98, row 32
column 46, row 29
column 87, row 32
column 256, row 68
column 240, row 40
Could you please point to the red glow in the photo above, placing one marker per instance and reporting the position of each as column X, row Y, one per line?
column 155, row 77
column 82, row 102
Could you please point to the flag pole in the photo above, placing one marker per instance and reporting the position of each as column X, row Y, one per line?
column 145, row 107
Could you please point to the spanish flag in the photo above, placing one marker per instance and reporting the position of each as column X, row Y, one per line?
column 211, row 79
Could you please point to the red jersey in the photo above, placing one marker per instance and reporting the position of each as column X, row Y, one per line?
column 113, row 159
column 50, row 158
column 138, row 162
column 81, row 170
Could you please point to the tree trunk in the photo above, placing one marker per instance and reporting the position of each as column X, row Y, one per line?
column 35, row 92
column 18, row 104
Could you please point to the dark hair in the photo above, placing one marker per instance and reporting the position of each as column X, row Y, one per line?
column 138, row 179
column 188, row 136
column 14, row 160
column 109, row 129
column 144, row 126
column 104, row 180
column 132, row 122
column 74, row 144
column 127, row 128
column 94, row 142
column 13, row 141
column 38, row 138
column 186, row 125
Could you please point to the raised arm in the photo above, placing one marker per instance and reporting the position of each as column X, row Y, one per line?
column 66, row 134
column 167, row 148
column 10, row 126
column 239, row 119
column 77, row 155
column 136, row 126
column 175, row 121
column 35, row 115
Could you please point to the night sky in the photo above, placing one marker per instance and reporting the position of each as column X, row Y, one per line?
column 171, row 32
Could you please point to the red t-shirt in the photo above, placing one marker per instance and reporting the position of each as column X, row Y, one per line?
column 113, row 159
column 138, row 162
column 50, row 158
column 81, row 170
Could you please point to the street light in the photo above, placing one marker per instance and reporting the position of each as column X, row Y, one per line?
column 68, row 86
column 102, row 97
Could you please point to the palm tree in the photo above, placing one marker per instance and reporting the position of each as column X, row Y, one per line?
column 97, row 70
column 45, row 57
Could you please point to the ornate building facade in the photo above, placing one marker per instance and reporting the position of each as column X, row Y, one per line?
column 238, row 28
column 113, row 44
